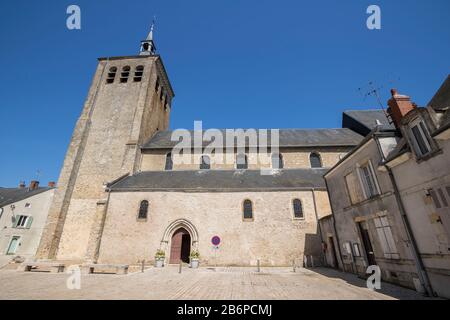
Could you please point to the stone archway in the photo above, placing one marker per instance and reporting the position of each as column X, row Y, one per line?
column 179, row 228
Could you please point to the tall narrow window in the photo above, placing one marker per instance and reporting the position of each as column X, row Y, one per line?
column 143, row 210
column 277, row 161
column 368, row 180
column 157, row 85
column 205, row 162
column 13, row 245
column 169, row 161
column 420, row 140
column 241, row 161
column 138, row 72
column 111, row 75
column 315, row 160
column 248, row 209
column 125, row 74
column 298, row 208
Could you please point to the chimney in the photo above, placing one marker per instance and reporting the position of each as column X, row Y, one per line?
column 33, row 185
column 399, row 106
column 51, row 184
column 22, row 184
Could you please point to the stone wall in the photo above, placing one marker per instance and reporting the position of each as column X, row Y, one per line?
column 274, row 236
column 293, row 158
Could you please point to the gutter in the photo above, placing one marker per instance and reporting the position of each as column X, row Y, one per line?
column 421, row 271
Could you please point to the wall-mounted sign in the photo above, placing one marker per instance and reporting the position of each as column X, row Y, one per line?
column 215, row 240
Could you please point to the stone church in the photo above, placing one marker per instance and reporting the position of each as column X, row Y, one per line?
column 120, row 197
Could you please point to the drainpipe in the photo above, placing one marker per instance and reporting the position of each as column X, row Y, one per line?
column 334, row 227
column 423, row 276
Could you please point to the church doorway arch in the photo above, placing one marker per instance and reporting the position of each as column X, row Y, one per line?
column 180, row 246
column 178, row 232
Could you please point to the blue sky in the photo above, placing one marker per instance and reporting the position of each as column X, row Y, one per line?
column 233, row 64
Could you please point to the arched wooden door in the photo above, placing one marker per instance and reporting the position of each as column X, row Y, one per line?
column 180, row 247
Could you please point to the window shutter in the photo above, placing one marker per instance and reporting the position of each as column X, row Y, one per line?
column 353, row 188
column 29, row 222
column 15, row 221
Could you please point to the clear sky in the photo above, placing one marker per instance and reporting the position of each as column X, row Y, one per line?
column 233, row 64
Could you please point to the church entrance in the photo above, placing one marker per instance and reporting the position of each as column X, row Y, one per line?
column 180, row 247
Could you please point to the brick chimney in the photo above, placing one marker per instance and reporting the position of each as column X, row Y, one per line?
column 399, row 106
column 51, row 184
column 22, row 184
column 33, row 185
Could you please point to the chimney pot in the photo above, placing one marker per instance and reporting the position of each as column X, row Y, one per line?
column 394, row 92
column 22, row 184
column 34, row 185
column 51, row 184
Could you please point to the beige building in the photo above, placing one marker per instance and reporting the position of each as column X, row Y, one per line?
column 122, row 195
column 23, row 214
column 391, row 197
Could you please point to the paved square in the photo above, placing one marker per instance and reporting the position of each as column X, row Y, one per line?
column 202, row 283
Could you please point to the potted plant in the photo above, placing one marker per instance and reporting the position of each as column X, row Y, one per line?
column 159, row 258
column 194, row 257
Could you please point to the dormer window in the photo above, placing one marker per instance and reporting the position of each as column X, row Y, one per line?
column 419, row 138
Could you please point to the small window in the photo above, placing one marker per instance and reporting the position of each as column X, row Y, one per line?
column 13, row 244
column 298, row 208
column 277, row 161
column 248, row 210
column 22, row 221
column 356, row 251
column 169, row 162
column 161, row 94
column 124, row 74
column 205, row 162
column 157, row 85
column 111, row 75
column 138, row 72
column 315, row 160
column 241, row 161
column 368, row 180
column 420, row 140
column 143, row 210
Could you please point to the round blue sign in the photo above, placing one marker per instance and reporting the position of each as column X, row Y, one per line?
column 215, row 240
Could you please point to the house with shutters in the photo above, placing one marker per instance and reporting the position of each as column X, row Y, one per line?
column 390, row 196
column 23, row 212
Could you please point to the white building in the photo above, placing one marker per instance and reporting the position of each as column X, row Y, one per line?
column 23, row 212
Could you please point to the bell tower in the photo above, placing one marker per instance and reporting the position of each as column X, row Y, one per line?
column 129, row 100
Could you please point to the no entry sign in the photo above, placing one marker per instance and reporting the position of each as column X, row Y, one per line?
column 215, row 240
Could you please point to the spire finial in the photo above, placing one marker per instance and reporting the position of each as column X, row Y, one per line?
column 152, row 26
column 147, row 45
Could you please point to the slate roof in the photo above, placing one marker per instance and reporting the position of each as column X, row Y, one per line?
column 11, row 195
column 221, row 180
column 441, row 98
column 288, row 138
column 364, row 121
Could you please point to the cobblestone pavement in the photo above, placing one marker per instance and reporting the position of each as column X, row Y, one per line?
column 202, row 283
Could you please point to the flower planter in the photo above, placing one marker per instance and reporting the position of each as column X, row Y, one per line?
column 194, row 263
column 159, row 262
